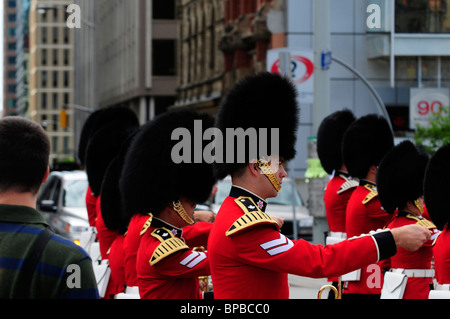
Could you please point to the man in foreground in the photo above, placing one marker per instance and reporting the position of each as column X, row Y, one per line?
column 62, row 270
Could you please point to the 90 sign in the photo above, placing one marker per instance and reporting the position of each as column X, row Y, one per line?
column 426, row 102
column 424, row 107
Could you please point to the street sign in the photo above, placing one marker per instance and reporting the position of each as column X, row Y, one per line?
column 326, row 60
column 424, row 102
column 302, row 70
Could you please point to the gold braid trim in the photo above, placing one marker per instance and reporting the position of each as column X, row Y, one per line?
column 147, row 224
column 180, row 210
column 267, row 170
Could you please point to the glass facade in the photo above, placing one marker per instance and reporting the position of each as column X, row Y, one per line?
column 422, row 16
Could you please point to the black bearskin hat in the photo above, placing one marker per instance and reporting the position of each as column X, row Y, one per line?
column 329, row 139
column 99, row 119
column 111, row 201
column 259, row 101
column 151, row 179
column 105, row 144
column 365, row 143
column 400, row 176
column 436, row 187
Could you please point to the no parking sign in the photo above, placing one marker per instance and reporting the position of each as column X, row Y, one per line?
column 302, row 70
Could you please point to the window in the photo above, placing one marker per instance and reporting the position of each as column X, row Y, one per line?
column 44, row 121
column 11, row 74
column 11, row 3
column 422, row 16
column 12, row 46
column 11, row 103
column 12, row 32
column 44, row 56
column 55, row 101
column 164, row 57
column 66, row 78
column 12, row 17
column 44, row 35
column 44, row 101
column 55, row 122
column 55, row 78
column 11, row 88
column 44, row 79
column 66, row 35
column 66, row 57
column 164, row 9
column 55, row 144
column 66, row 98
column 12, row 60
column 55, row 56
column 55, row 35
column 66, row 144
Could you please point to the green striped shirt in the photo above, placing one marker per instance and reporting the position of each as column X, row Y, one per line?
column 64, row 270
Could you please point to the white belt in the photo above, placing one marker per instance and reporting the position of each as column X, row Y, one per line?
column 415, row 273
column 442, row 287
column 338, row 235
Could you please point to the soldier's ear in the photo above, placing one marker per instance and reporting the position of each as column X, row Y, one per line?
column 253, row 168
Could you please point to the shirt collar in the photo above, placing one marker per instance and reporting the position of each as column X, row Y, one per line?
column 237, row 191
column 20, row 214
column 159, row 223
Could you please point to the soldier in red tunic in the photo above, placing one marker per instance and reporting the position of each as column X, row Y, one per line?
column 341, row 186
column 168, row 266
column 436, row 192
column 400, row 186
column 248, row 255
column 365, row 143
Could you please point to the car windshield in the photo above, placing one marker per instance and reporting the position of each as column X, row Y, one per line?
column 75, row 193
column 284, row 196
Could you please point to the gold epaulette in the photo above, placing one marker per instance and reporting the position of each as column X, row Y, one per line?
column 373, row 193
column 421, row 221
column 252, row 216
column 169, row 245
column 349, row 184
column 146, row 225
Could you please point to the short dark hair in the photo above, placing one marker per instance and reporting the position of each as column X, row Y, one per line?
column 24, row 155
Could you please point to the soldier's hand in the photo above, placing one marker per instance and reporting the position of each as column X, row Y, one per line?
column 204, row 216
column 411, row 237
column 280, row 221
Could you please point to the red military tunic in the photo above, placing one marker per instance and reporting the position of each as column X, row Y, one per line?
column 116, row 283
column 105, row 236
column 338, row 192
column 194, row 236
column 416, row 287
column 251, row 259
column 441, row 251
column 131, row 246
column 91, row 203
column 166, row 267
column 365, row 214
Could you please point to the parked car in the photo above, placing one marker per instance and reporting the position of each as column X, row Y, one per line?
column 281, row 206
column 62, row 201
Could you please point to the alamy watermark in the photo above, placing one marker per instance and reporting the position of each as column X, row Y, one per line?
column 373, row 20
column 241, row 146
column 74, row 17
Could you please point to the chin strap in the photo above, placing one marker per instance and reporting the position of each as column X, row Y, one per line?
column 268, row 171
column 178, row 207
column 419, row 206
